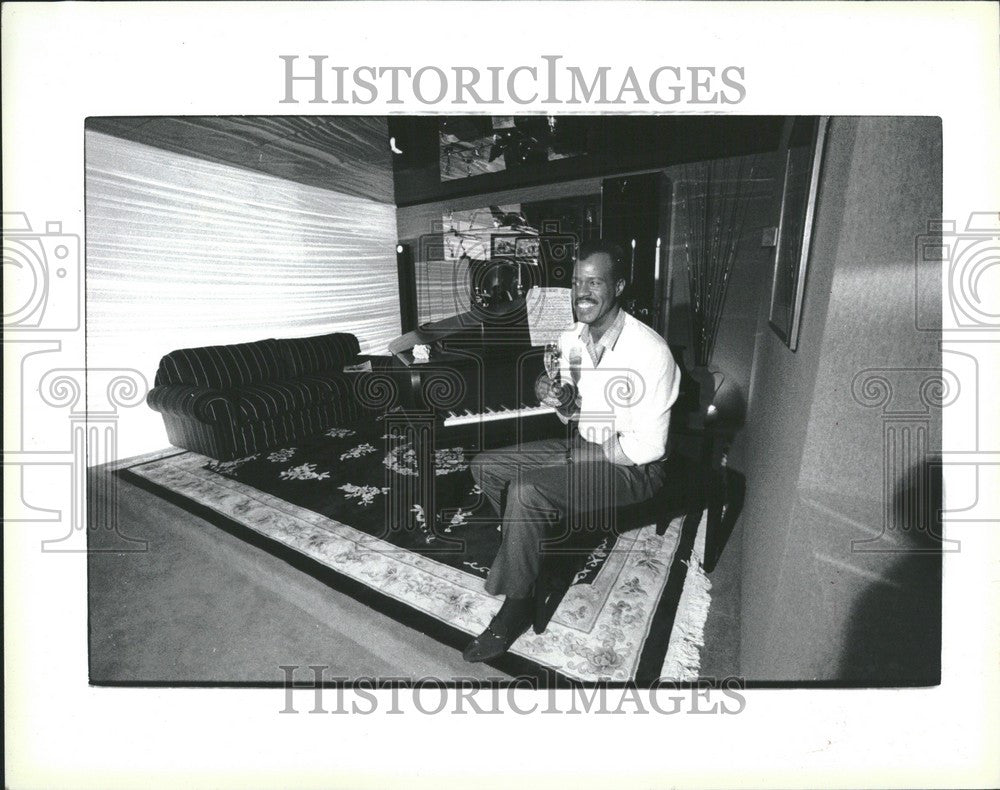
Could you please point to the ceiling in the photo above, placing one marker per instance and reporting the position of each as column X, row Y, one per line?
column 348, row 154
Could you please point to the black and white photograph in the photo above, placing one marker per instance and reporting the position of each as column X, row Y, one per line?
column 389, row 385
column 716, row 505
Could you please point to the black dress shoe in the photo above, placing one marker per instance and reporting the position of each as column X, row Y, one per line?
column 487, row 646
column 496, row 639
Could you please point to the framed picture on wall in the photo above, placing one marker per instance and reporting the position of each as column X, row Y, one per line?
column 804, row 153
column 526, row 250
column 503, row 245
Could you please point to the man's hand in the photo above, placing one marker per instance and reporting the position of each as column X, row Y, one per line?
column 561, row 396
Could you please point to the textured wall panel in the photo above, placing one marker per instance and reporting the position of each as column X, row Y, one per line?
column 184, row 252
column 348, row 154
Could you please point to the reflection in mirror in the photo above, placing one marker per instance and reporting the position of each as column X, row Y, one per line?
column 798, row 202
column 489, row 257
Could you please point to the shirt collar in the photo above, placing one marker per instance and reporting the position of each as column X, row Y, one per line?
column 610, row 336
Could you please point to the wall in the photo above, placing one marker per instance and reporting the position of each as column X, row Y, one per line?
column 750, row 277
column 815, row 605
column 348, row 154
column 826, row 463
column 414, row 221
column 442, row 289
column 185, row 252
column 751, row 271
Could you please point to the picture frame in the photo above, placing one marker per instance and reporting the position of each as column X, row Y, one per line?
column 804, row 139
column 503, row 245
column 526, row 249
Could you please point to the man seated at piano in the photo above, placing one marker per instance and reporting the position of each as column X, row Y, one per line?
column 615, row 385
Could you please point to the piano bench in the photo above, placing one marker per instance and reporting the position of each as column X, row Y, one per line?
column 682, row 494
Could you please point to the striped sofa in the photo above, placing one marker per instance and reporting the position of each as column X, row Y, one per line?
column 231, row 401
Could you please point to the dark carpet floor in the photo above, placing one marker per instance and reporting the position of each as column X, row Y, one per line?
column 201, row 605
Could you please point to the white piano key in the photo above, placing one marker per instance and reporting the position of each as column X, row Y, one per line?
column 489, row 415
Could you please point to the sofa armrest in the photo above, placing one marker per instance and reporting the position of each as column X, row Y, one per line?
column 378, row 361
column 185, row 400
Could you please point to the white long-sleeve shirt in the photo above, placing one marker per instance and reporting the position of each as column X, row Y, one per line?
column 630, row 391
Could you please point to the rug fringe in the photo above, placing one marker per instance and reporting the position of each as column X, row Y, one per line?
column 683, row 660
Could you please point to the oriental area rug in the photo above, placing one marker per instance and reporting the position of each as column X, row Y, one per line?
column 326, row 499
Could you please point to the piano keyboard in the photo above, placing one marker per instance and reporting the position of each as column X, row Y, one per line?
column 490, row 415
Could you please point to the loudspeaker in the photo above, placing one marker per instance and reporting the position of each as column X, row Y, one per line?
column 407, row 287
column 557, row 254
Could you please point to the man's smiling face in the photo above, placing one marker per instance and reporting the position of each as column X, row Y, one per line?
column 595, row 288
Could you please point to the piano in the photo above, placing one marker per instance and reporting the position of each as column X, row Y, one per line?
column 453, row 420
column 478, row 385
column 477, row 391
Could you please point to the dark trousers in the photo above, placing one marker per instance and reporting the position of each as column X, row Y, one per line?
column 544, row 490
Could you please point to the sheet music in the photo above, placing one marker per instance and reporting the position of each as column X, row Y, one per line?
column 550, row 313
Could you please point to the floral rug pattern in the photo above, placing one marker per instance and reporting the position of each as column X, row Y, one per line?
column 598, row 631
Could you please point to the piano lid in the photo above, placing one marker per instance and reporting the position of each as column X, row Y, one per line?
column 508, row 315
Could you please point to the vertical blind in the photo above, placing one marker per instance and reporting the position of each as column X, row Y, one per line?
column 183, row 252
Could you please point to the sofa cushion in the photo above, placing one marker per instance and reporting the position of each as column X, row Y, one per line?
column 260, row 401
column 330, row 386
column 222, row 367
column 305, row 355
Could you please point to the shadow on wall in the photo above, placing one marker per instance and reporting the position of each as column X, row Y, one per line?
column 679, row 331
column 724, row 511
column 895, row 632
